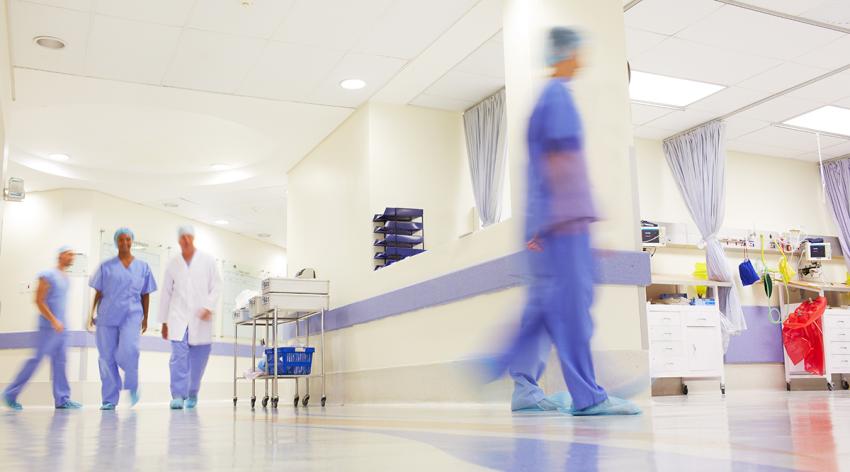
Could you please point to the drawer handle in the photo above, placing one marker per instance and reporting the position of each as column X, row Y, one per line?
column 667, row 319
column 668, row 348
column 671, row 363
column 702, row 319
column 668, row 334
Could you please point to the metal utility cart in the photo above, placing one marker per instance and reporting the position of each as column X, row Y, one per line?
column 284, row 301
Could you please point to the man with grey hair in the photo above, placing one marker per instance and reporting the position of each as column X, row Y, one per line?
column 190, row 292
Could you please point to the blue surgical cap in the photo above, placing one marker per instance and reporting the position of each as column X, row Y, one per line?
column 120, row 231
column 561, row 44
column 185, row 229
column 63, row 249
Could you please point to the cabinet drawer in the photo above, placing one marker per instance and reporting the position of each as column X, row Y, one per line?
column 660, row 367
column 839, row 334
column 838, row 322
column 665, row 350
column 839, row 348
column 839, row 364
column 702, row 318
column 665, row 333
column 663, row 318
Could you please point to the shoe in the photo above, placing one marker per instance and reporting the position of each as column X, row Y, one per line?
column 107, row 406
column 134, row 397
column 69, row 405
column 176, row 404
column 191, row 402
column 7, row 400
column 556, row 401
column 611, row 406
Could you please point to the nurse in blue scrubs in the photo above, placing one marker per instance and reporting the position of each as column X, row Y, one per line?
column 123, row 286
column 51, row 299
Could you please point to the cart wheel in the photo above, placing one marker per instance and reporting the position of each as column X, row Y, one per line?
column 684, row 389
column 295, row 402
column 788, row 386
column 830, row 386
column 845, row 385
column 274, row 402
column 234, row 401
column 253, row 402
column 306, row 400
column 324, row 399
column 723, row 389
column 265, row 401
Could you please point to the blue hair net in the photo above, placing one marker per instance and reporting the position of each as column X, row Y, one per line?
column 64, row 248
column 185, row 229
column 120, row 231
column 561, row 43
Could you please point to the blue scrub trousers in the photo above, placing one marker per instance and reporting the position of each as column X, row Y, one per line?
column 52, row 344
column 118, row 346
column 557, row 312
column 187, row 367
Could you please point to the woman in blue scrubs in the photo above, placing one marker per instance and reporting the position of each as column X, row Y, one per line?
column 51, row 299
column 123, row 286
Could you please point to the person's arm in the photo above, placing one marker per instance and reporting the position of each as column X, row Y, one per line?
column 41, row 302
column 98, row 296
column 148, row 287
column 165, row 300
column 146, row 303
column 213, row 291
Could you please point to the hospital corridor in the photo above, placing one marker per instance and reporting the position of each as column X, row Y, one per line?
column 443, row 235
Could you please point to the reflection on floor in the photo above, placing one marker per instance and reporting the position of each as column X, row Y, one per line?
column 745, row 431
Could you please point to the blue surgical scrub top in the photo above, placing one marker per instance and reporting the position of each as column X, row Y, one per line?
column 555, row 127
column 122, row 289
column 56, row 295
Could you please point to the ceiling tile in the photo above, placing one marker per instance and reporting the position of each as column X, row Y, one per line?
column 375, row 70
column 442, row 103
column 130, row 50
column 640, row 41
column 747, row 31
column 791, row 7
column 29, row 20
column 642, row 114
column 260, row 19
column 648, row 132
column 212, row 61
column 409, row 26
column 779, row 109
column 839, row 150
column 668, row 16
column 789, row 139
column 830, row 56
column 727, row 100
column 748, row 147
column 289, row 71
column 737, row 126
column 836, row 12
column 688, row 60
column 164, row 12
column 335, row 24
column 682, row 120
column 80, row 5
column 828, row 90
column 844, row 102
column 464, row 86
column 487, row 60
column 782, row 77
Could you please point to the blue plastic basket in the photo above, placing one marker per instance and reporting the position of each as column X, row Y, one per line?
column 290, row 360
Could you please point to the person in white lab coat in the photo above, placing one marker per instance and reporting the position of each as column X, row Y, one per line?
column 190, row 291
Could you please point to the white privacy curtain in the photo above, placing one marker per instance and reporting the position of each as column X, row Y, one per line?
column 837, row 179
column 485, row 126
column 697, row 160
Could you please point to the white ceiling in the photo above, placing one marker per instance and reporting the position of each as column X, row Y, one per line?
column 147, row 96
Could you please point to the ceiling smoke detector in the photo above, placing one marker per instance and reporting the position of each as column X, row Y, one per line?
column 170, row 205
column 49, row 42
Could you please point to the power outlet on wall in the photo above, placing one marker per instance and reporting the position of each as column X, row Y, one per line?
column 26, row 287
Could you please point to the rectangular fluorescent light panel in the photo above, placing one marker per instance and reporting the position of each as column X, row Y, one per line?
column 663, row 90
column 828, row 119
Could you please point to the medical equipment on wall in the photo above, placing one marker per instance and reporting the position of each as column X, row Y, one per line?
column 652, row 234
column 15, row 191
column 813, row 252
column 746, row 270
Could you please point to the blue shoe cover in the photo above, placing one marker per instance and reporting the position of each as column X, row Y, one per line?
column 69, row 405
column 611, row 406
column 134, row 397
column 191, row 402
column 556, row 401
column 12, row 403
column 107, row 406
column 176, row 404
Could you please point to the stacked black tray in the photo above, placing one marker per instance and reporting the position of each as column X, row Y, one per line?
column 399, row 233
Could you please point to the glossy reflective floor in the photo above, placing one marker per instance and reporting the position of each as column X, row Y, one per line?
column 746, row 431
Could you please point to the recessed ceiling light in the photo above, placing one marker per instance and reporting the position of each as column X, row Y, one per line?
column 222, row 222
column 663, row 90
column 220, row 167
column 59, row 157
column 352, row 84
column 828, row 119
column 263, row 235
column 49, row 42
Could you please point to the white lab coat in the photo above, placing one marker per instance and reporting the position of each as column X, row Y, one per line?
column 186, row 290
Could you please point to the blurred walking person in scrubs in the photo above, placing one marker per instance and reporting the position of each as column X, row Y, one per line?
column 558, row 217
column 51, row 300
column 190, row 292
column 123, row 286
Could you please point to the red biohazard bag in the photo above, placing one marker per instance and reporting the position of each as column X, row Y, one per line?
column 802, row 335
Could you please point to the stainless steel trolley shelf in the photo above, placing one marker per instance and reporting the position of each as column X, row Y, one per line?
column 271, row 320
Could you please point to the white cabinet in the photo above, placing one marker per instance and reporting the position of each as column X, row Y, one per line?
column 836, row 340
column 685, row 341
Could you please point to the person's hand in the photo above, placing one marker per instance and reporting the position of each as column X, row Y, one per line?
column 57, row 326
column 165, row 331
column 205, row 314
column 534, row 245
column 91, row 324
column 144, row 325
